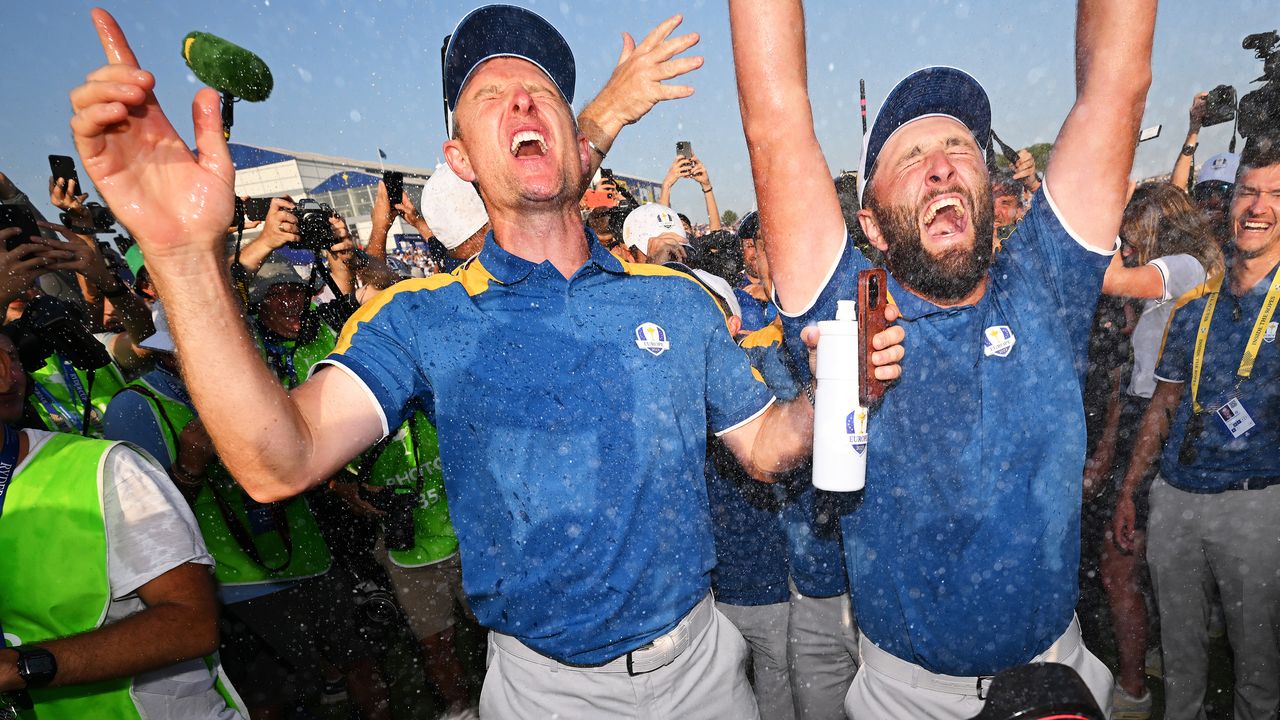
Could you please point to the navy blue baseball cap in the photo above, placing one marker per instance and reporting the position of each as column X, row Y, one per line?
column 937, row 91
column 506, row 31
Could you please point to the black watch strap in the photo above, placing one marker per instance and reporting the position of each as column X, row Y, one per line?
column 1189, row 150
column 36, row 666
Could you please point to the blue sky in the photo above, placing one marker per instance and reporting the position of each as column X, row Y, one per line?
column 352, row 76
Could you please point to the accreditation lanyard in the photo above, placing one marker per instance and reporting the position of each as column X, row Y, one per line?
column 1250, row 350
column 58, row 412
column 8, row 461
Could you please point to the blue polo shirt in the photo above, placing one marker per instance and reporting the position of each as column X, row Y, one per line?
column 964, row 548
column 751, row 543
column 572, row 417
column 810, row 517
column 1223, row 460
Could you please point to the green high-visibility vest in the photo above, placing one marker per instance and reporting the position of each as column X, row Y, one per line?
column 299, row 359
column 397, row 467
column 53, row 589
column 221, row 501
column 59, row 405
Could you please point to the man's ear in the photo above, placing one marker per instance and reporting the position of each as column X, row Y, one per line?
column 735, row 326
column 871, row 229
column 456, row 155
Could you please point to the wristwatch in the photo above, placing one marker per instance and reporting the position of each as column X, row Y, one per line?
column 1188, row 150
column 36, row 666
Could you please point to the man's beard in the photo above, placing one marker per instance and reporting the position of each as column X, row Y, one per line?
column 949, row 276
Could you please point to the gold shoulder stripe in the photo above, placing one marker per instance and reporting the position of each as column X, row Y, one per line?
column 650, row 270
column 770, row 334
column 473, row 277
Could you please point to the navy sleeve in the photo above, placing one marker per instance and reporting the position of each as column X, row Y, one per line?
column 841, row 284
column 129, row 418
column 1175, row 360
column 734, row 394
column 1050, row 252
column 377, row 347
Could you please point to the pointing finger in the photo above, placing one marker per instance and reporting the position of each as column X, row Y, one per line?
column 114, row 44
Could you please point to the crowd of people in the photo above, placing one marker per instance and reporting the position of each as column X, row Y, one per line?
column 569, row 449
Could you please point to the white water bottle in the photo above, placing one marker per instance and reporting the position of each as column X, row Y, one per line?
column 839, row 420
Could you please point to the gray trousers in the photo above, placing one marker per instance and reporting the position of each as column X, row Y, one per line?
column 1230, row 540
column 764, row 627
column 707, row 681
column 823, row 652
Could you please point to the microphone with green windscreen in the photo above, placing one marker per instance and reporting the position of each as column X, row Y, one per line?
column 233, row 71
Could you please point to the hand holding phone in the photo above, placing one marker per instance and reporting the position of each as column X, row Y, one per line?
column 395, row 186
column 873, row 296
column 63, row 166
column 17, row 216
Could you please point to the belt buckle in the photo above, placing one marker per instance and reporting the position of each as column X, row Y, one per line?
column 630, row 667
column 982, row 693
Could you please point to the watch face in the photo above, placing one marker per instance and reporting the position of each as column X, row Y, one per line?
column 36, row 666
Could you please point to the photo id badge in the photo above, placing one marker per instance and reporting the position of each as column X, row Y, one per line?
column 1234, row 416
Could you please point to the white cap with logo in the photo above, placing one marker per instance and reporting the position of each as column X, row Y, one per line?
column 650, row 221
column 1219, row 168
column 452, row 207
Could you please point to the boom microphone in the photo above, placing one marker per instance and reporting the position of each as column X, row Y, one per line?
column 227, row 67
column 234, row 72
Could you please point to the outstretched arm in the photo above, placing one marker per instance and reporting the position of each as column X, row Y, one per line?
column 1181, row 176
column 799, row 211
column 637, row 85
column 1088, row 174
column 275, row 444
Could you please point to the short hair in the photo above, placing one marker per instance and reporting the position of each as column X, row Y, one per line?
column 1003, row 183
column 1260, row 151
column 598, row 221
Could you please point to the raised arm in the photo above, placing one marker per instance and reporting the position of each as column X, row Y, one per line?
column 1181, row 176
column 1088, row 174
column 636, row 85
column 276, row 445
column 799, row 211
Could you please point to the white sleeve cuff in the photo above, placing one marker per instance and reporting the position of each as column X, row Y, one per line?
column 826, row 279
column 373, row 399
column 1074, row 235
column 756, row 414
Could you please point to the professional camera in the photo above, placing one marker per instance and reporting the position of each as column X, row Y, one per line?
column 1259, row 112
column 314, row 231
column 100, row 219
column 719, row 253
column 1039, row 691
column 398, row 526
column 377, row 604
column 50, row 325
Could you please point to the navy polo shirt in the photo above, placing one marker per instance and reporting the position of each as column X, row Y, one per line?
column 963, row 550
column 810, row 517
column 751, row 557
column 572, row 417
column 1223, row 460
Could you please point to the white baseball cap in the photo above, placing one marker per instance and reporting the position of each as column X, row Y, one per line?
column 721, row 288
column 452, row 207
column 1219, row 168
column 649, row 221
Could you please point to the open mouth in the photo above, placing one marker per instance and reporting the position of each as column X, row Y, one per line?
column 945, row 218
column 1255, row 226
column 528, row 143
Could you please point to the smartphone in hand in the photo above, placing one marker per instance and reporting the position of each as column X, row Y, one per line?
column 21, row 218
column 873, row 296
column 395, row 186
column 63, row 166
column 684, row 149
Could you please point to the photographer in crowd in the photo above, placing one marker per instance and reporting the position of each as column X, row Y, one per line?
column 1214, row 501
column 691, row 168
column 117, row 618
column 1214, row 181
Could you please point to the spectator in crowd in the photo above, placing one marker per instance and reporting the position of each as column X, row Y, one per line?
column 1010, row 190
column 598, row 221
column 1213, row 503
column 654, row 234
column 693, row 169
column 117, row 617
column 1164, row 233
column 1007, row 343
column 639, row 606
column 1214, row 182
column 754, row 291
column 61, row 284
column 453, row 210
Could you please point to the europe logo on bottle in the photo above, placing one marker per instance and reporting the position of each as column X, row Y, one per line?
column 856, row 426
column 652, row 337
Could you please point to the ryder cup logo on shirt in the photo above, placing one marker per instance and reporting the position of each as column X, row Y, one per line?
column 653, row 338
column 998, row 340
column 1270, row 334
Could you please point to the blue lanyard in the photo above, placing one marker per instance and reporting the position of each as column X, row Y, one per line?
column 57, row 412
column 73, row 381
column 277, row 353
column 8, row 461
